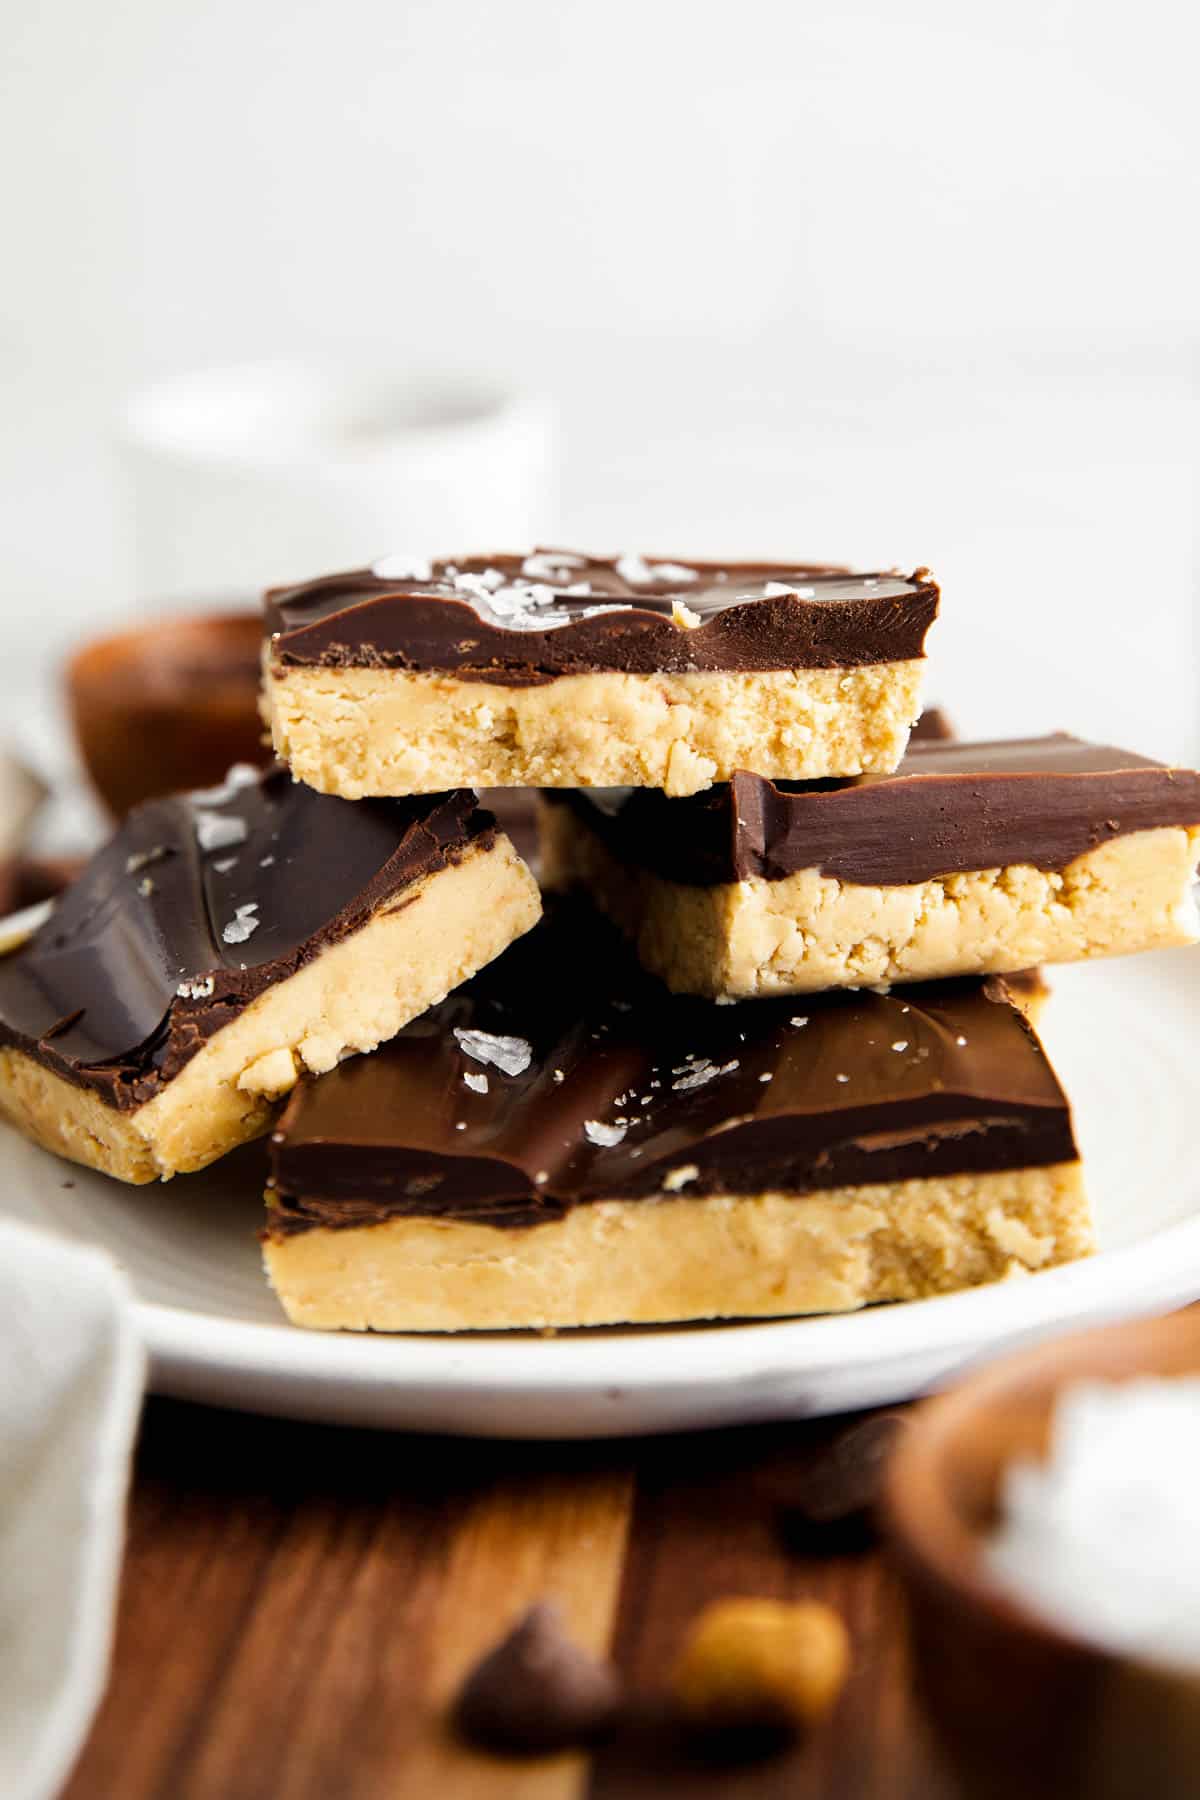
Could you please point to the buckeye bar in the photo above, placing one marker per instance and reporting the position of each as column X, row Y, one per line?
column 970, row 859
column 562, row 670
column 564, row 1143
column 225, row 940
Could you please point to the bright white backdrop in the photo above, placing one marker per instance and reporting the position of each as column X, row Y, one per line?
column 844, row 279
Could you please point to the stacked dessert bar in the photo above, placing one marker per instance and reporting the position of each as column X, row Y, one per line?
column 769, row 1049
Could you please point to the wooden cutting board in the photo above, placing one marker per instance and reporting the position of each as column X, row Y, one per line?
column 299, row 1603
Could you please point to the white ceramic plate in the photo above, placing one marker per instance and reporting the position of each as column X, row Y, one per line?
column 1124, row 1038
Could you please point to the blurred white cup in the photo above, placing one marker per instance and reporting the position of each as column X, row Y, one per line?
column 270, row 472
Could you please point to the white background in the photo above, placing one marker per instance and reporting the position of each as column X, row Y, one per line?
column 894, row 284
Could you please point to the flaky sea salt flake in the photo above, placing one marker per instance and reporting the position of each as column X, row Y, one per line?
column 511, row 1055
column 702, row 1073
column 403, row 568
column 781, row 590
column 635, row 570
column 201, row 988
column 243, row 924
column 550, row 565
column 605, row 1136
column 217, row 831
column 239, row 775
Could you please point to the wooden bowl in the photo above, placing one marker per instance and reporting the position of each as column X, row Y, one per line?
column 1022, row 1708
column 167, row 705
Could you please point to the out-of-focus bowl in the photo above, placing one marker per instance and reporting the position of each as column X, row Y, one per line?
column 166, row 705
column 1027, row 1711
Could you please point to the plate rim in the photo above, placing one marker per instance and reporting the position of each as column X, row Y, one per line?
column 180, row 1339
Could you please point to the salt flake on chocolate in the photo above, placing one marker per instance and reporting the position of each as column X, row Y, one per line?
column 216, row 831
column 511, row 1055
column 606, row 1136
column 480, row 585
column 639, row 573
column 780, row 590
column 243, row 924
column 702, row 1073
column 403, row 568
column 200, row 989
column 240, row 775
column 635, row 570
column 550, row 565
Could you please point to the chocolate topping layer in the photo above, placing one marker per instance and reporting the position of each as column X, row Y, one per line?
column 619, row 1090
column 199, row 903
column 524, row 620
column 950, row 807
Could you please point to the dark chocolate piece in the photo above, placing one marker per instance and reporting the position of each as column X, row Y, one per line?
column 831, row 1507
column 198, row 904
column 949, row 808
column 521, row 621
column 537, row 1691
column 621, row 1090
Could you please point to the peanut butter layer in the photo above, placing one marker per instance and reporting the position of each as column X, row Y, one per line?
column 359, row 733
column 718, row 1256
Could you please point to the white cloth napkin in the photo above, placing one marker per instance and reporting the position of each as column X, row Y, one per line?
column 71, row 1377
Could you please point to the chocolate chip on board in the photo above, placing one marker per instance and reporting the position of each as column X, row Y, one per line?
column 537, row 1691
column 831, row 1502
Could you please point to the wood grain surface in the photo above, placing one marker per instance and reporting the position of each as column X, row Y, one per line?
column 299, row 1602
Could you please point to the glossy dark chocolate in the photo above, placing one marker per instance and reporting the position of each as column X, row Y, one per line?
column 523, row 620
column 950, row 807
column 626, row 1084
column 198, row 904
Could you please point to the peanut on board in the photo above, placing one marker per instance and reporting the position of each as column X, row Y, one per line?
column 751, row 1665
